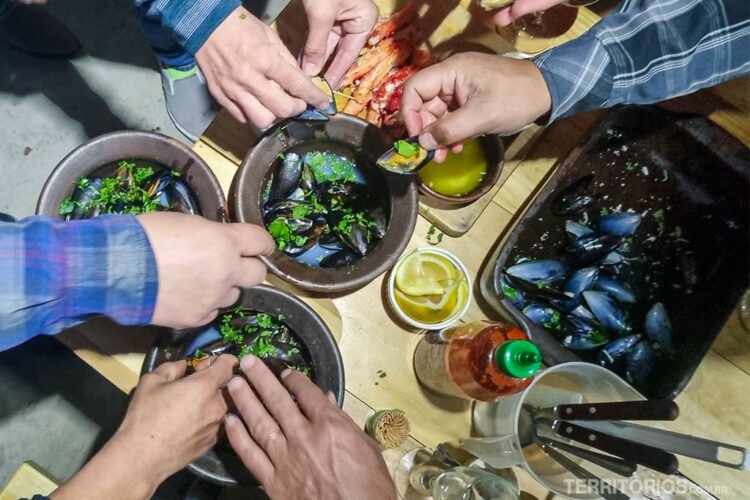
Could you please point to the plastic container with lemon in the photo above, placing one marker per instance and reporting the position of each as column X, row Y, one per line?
column 429, row 288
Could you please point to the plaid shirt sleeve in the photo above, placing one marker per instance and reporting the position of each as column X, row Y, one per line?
column 190, row 22
column 56, row 274
column 649, row 51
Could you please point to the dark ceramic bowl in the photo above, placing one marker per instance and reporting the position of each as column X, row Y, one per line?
column 100, row 157
column 341, row 131
column 221, row 465
column 494, row 151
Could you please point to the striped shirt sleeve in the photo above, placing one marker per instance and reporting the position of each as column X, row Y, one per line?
column 57, row 274
column 190, row 22
column 650, row 50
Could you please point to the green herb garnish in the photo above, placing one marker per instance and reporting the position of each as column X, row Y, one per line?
column 629, row 166
column 434, row 237
column 406, row 149
column 604, row 211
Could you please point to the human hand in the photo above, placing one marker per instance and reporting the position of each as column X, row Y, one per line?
column 251, row 73
column 336, row 25
column 202, row 265
column 313, row 450
column 471, row 94
column 520, row 8
column 170, row 422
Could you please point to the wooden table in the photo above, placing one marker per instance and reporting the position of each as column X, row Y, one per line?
column 716, row 403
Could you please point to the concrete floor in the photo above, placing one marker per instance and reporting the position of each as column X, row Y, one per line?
column 54, row 409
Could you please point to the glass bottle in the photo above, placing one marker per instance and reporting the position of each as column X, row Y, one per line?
column 481, row 360
column 469, row 483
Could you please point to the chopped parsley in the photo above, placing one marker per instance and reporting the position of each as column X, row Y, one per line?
column 629, row 166
column 434, row 236
column 406, row 149
column 604, row 211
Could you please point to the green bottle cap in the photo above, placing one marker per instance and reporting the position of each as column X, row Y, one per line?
column 518, row 358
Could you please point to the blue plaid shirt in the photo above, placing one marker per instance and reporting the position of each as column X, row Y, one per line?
column 56, row 274
column 648, row 51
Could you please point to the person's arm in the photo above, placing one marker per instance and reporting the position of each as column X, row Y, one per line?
column 58, row 274
column 190, row 22
column 170, row 422
column 649, row 51
column 168, row 269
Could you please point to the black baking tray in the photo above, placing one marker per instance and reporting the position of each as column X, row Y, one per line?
column 648, row 159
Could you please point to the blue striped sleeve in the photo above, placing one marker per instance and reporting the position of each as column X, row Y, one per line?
column 190, row 22
column 649, row 51
column 57, row 274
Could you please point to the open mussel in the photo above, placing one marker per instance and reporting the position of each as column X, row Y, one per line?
column 639, row 361
column 622, row 224
column 539, row 271
column 621, row 292
column 538, row 290
column 607, row 312
column 406, row 157
column 180, row 198
column 591, row 248
column 287, row 176
column 658, row 327
column 574, row 197
column 311, row 237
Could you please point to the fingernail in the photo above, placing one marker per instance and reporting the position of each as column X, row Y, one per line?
column 310, row 69
column 235, row 384
column 230, row 420
column 247, row 362
column 285, row 373
column 428, row 141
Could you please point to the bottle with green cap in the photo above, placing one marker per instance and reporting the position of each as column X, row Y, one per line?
column 482, row 360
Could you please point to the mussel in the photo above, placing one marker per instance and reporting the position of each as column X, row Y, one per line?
column 317, row 115
column 582, row 312
column 345, row 257
column 622, row 224
column 220, row 347
column 591, row 248
column 639, row 361
column 576, row 230
column 406, row 157
column 658, row 327
column 307, row 180
column 542, row 315
column 86, row 196
column 580, row 281
column 574, row 197
column 244, row 322
column 513, row 294
column 607, row 312
column 379, row 222
column 539, row 290
column 539, row 271
column 612, row 355
column 621, row 292
column 312, row 235
column 179, row 197
column 287, row 176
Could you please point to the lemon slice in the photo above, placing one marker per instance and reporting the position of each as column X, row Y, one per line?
column 421, row 274
column 433, row 308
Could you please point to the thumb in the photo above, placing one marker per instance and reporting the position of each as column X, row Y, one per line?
column 171, row 371
column 520, row 8
column 452, row 128
column 316, row 46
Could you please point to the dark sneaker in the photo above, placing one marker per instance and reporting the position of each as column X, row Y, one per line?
column 31, row 29
column 189, row 104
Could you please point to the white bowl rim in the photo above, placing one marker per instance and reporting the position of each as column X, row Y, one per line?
column 418, row 324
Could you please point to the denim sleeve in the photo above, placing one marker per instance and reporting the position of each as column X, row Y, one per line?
column 57, row 274
column 649, row 51
column 190, row 22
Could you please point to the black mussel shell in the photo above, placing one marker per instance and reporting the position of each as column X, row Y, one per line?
column 85, row 196
column 345, row 257
column 539, row 271
column 607, row 312
column 395, row 160
column 315, row 115
column 513, row 294
column 574, row 197
column 621, row 292
column 639, row 361
column 622, row 224
column 536, row 290
column 287, row 176
column 542, row 315
column 576, row 230
column 180, row 198
column 591, row 248
column 612, row 355
column 659, row 328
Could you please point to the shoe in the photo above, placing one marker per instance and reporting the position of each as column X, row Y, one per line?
column 189, row 104
column 31, row 29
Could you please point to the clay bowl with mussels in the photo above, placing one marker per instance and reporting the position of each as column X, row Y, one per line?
column 339, row 221
column 166, row 174
column 267, row 322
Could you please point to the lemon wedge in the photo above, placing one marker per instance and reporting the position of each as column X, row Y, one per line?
column 432, row 309
column 422, row 274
